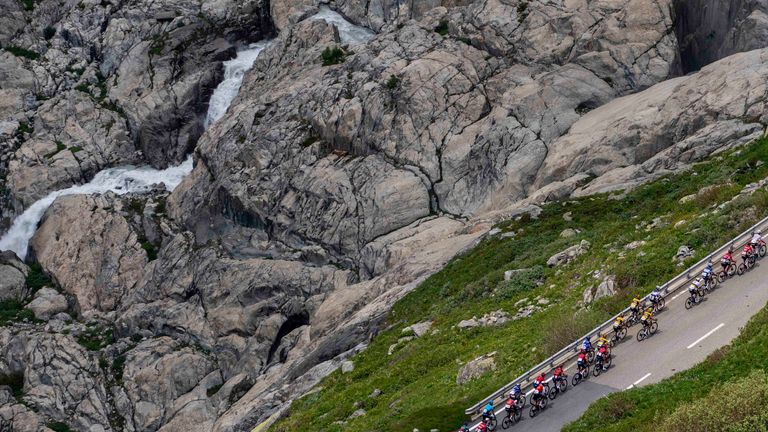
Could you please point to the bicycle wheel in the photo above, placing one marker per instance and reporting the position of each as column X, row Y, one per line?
column 731, row 270
column 608, row 362
column 689, row 302
column 576, row 379
column 661, row 303
column 553, row 393
column 591, row 356
column 654, row 327
column 492, row 424
column 721, row 275
column 597, row 370
column 506, row 423
column 622, row 333
column 534, row 410
column 641, row 335
column 761, row 250
column 713, row 282
column 741, row 269
column 517, row 415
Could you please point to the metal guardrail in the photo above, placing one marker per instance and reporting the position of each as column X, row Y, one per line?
column 570, row 351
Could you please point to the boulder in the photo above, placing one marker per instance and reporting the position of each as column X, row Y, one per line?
column 568, row 254
column 683, row 252
column 347, row 366
column 606, row 288
column 476, row 368
column 568, row 233
column 635, row 244
column 13, row 273
column 47, row 302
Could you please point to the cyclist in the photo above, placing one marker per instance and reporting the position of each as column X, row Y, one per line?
column 747, row 252
column 655, row 296
column 707, row 273
column 727, row 260
column 488, row 411
column 538, row 393
column 464, row 428
column 635, row 306
column 602, row 341
column 647, row 317
column 586, row 345
column 483, row 426
column 602, row 353
column 515, row 392
column 541, row 378
column 695, row 285
column 618, row 323
column 582, row 361
column 757, row 236
column 510, row 406
column 557, row 375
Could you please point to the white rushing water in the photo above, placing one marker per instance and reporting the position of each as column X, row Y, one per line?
column 122, row 180
column 348, row 32
column 234, row 70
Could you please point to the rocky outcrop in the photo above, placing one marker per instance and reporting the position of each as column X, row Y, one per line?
column 476, row 368
column 13, row 274
column 96, row 230
column 47, row 302
column 569, row 254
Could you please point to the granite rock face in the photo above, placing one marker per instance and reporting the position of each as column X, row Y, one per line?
column 326, row 192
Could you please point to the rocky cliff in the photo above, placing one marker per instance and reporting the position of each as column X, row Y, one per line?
column 341, row 176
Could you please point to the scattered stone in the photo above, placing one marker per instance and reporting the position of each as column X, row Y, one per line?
column 47, row 302
column 543, row 301
column 521, row 301
column 687, row 198
column 375, row 393
column 569, row 254
column 509, row 273
column 347, row 366
column 683, row 252
column 568, row 233
column 495, row 318
column 567, row 216
column 494, row 231
column 419, row 329
column 508, row 234
column 635, row 244
column 476, row 368
column 357, row 413
column 606, row 288
column 680, row 223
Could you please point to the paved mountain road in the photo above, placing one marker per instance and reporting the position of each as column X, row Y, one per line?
column 685, row 338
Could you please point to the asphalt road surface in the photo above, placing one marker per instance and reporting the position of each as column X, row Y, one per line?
column 685, row 338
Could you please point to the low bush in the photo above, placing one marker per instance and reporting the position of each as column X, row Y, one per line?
column 333, row 55
column 22, row 52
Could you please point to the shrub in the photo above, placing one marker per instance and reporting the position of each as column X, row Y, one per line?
column 332, row 56
column 442, row 28
column 83, row 88
column 49, row 32
column 59, row 147
column 29, row 5
column 21, row 52
column 95, row 338
column 740, row 399
column 118, row 366
column 36, row 278
column 521, row 281
column 75, row 149
column 58, row 427
column 393, row 82
column 15, row 381
column 151, row 250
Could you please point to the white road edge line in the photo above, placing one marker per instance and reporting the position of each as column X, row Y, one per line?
column 679, row 294
column 641, row 379
column 709, row 333
column 630, row 387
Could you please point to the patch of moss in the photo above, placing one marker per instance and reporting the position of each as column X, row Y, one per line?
column 58, row 427
column 96, row 337
column 22, row 52
column 75, row 149
column 59, row 147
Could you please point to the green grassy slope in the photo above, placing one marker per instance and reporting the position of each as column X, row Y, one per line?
column 418, row 381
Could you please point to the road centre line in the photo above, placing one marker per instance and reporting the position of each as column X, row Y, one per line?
column 709, row 333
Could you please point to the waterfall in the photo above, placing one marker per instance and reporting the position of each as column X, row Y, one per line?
column 126, row 179
column 348, row 33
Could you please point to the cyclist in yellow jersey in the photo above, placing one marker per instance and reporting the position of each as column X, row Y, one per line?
column 602, row 340
column 647, row 317
column 618, row 323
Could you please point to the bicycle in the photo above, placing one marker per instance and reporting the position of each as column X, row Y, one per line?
column 728, row 271
column 559, row 386
column 658, row 305
column 760, row 248
column 746, row 264
column 537, row 407
column 710, row 283
column 581, row 373
column 618, row 335
column 492, row 422
column 694, row 298
column 545, row 393
column 647, row 331
column 601, row 365
column 514, row 414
